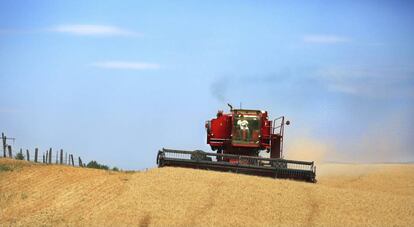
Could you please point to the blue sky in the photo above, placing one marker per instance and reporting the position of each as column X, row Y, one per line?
column 115, row 81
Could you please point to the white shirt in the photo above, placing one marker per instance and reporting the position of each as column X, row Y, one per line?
column 243, row 124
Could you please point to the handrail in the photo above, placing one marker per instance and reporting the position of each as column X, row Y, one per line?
column 281, row 128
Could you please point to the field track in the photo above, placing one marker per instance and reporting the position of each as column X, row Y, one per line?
column 346, row 194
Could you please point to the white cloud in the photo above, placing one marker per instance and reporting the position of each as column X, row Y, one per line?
column 325, row 39
column 8, row 110
column 376, row 44
column 19, row 31
column 379, row 82
column 93, row 30
column 126, row 65
column 343, row 88
column 6, row 31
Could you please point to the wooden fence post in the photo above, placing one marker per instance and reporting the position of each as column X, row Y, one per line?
column 66, row 158
column 73, row 163
column 35, row 157
column 27, row 155
column 47, row 156
column 3, row 138
column 57, row 157
column 80, row 162
column 21, row 153
column 44, row 158
column 10, row 151
column 50, row 155
column 61, row 156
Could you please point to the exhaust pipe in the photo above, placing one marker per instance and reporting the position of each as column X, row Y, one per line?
column 231, row 107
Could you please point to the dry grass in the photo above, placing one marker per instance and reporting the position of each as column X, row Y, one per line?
column 378, row 195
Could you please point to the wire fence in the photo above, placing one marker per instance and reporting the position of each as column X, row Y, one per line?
column 49, row 156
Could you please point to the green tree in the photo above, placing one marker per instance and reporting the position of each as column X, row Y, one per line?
column 19, row 156
column 95, row 165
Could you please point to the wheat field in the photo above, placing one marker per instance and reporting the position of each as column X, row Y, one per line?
column 345, row 195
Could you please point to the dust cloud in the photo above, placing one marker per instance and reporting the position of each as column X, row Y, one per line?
column 382, row 141
column 386, row 140
column 309, row 149
column 372, row 148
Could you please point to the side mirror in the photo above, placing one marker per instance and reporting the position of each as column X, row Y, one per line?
column 287, row 123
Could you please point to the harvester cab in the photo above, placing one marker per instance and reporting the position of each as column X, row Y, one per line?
column 237, row 138
column 246, row 128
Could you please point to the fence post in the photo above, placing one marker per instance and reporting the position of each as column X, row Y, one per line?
column 3, row 138
column 61, row 156
column 10, row 151
column 47, row 156
column 27, row 155
column 57, row 157
column 44, row 158
column 50, row 155
column 73, row 163
column 35, row 157
column 80, row 162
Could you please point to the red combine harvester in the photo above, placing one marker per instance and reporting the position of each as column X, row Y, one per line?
column 238, row 138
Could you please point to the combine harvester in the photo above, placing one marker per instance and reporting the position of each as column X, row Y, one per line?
column 238, row 137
